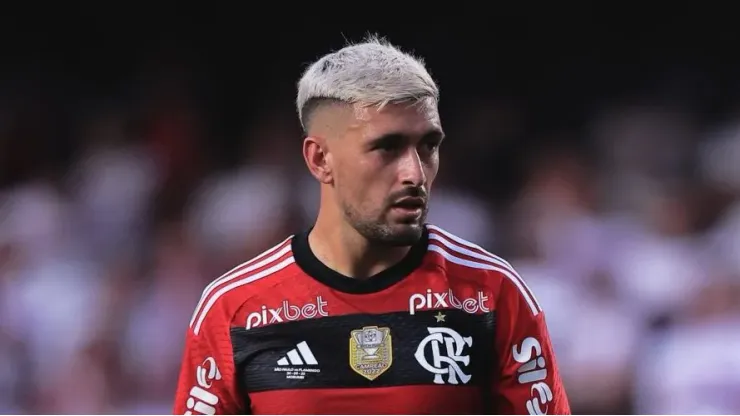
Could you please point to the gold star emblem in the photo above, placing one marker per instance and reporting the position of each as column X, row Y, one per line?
column 440, row 317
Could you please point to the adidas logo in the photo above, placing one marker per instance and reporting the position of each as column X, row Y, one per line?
column 298, row 356
column 294, row 363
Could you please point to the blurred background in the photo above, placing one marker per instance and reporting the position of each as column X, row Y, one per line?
column 145, row 151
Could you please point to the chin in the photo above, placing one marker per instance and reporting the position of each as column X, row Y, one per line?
column 394, row 234
column 409, row 236
column 404, row 234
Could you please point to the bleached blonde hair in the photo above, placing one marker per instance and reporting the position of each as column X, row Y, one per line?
column 371, row 73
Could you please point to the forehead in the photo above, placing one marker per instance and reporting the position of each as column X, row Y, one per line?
column 411, row 119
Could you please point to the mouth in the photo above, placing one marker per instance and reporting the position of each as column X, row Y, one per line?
column 412, row 205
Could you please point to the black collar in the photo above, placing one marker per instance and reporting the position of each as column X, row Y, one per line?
column 311, row 265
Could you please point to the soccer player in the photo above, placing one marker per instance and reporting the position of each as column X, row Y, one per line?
column 371, row 310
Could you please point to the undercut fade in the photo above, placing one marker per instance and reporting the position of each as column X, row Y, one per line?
column 371, row 73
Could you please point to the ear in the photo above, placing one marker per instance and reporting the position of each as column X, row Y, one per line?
column 317, row 159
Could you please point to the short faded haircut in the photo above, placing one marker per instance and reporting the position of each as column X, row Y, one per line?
column 371, row 73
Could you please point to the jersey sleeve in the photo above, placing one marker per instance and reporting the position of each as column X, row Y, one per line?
column 207, row 384
column 528, row 380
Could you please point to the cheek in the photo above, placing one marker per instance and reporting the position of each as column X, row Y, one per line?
column 366, row 188
column 354, row 180
column 353, row 172
column 431, row 168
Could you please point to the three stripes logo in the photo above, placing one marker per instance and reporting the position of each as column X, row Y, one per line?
column 298, row 362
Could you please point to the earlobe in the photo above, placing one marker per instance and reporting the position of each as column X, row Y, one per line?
column 317, row 160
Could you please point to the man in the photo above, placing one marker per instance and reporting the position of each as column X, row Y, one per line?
column 371, row 310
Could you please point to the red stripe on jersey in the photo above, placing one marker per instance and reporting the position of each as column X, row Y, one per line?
column 255, row 265
column 395, row 400
column 472, row 255
column 241, row 280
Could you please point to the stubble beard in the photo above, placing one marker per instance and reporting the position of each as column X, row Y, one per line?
column 379, row 231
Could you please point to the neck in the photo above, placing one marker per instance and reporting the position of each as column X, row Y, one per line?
column 341, row 248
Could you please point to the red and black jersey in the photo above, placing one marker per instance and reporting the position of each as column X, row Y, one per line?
column 450, row 329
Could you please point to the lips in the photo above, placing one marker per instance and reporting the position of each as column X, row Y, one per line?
column 410, row 203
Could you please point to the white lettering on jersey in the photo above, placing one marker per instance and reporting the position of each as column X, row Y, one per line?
column 533, row 369
column 435, row 300
column 201, row 400
column 286, row 312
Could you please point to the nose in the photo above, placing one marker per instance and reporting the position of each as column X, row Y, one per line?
column 411, row 169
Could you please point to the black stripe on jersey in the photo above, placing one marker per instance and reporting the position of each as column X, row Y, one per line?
column 429, row 347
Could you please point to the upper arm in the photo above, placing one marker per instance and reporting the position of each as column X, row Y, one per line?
column 207, row 383
column 528, row 380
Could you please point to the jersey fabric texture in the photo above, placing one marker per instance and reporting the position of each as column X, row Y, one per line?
column 451, row 329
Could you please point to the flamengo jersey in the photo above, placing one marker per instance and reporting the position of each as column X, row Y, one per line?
column 449, row 329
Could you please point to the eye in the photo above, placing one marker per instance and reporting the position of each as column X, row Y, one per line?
column 387, row 147
column 390, row 143
column 431, row 145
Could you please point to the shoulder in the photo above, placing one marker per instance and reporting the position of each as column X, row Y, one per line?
column 223, row 296
column 458, row 253
column 461, row 258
